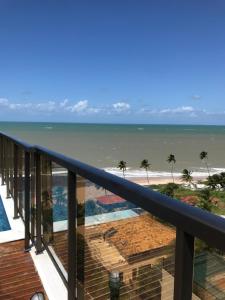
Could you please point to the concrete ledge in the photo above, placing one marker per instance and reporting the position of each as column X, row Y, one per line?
column 51, row 280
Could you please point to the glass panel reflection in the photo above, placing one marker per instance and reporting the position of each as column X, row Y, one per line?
column 54, row 211
column 21, row 182
column 209, row 272
column 128, row 254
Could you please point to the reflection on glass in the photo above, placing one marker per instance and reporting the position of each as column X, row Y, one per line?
column 128, row 254
column 21, row 195
column 47, row 203
column 209, row 272
column 54, row 212
column 33, row 196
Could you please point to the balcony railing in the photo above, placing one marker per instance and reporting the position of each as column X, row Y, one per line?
column 128, row 243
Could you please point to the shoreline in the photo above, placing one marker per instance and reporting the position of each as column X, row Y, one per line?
column 160, row 177
column 162, row 180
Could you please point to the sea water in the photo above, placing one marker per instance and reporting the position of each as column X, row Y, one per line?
column 104, row 145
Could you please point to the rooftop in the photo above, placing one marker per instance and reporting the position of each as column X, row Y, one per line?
column 136, row 235
column 110, row 199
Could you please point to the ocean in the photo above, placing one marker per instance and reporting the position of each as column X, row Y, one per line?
column 104, row 145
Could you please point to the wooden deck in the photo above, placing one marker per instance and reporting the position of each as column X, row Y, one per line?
column 19, row 279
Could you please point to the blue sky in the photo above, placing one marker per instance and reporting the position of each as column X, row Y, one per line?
column 126, row 61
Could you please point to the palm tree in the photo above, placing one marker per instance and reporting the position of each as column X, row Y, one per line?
column 169, row 189
column 145, row 165
column 204, row 157
column 122, row 165
column 186, row 176
column 171, row 160
column 205, row 201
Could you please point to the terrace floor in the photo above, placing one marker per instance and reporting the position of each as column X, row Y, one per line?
column 19, row 279
column 24, row 273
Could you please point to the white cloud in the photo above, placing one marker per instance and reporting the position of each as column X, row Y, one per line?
column 147, row 110
column 94, row 110
column 80, row 106
column 15, row 106
column 4, row 102
column 121, row 107
column 63, row 103
column 182, row 109
column 83, row 108
column 49, row 106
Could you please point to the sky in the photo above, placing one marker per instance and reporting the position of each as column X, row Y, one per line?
column 113, row 61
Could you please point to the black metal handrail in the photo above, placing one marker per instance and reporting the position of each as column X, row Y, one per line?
column 190, row 222
column 26, row 146
column 193, row 220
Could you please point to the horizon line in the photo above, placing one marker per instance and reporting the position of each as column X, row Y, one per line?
column 113, row 123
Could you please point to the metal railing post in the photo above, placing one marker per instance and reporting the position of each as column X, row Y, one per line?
column 20, row 182
column 80, row 220
column 11, row 168
column 184, row 256
column 15, row 182
column 2, row 160
column 38, row 243
column 7, row 167
column 72, row 253
column 33, row 197
column 27, row 200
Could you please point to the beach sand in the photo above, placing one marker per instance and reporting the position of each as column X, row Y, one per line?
column 153, row 180
column 162, row 180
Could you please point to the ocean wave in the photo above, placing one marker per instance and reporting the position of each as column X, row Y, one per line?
column 136, row 173
column 189, row 129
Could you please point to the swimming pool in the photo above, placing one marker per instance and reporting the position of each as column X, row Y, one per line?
column 4, row 223
column 110, row 217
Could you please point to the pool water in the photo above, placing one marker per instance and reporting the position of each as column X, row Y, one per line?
column 4, row 223
column 110, row 217
column 93, row 210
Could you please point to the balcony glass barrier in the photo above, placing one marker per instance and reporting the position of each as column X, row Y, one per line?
column 33, row 209
column 127, row 253
column 21, row 182
column 55, row 211
column 104, row 246
column 10, row 165
column 209, row 272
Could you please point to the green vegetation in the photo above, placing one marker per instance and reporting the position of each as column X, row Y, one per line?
column 171, row 160
column 216, row 181
column 186, row 176
column 169, row 189
column 211, row 200
column 204, row 157
column 205, row 200
column 145, row 165
column 122, row 165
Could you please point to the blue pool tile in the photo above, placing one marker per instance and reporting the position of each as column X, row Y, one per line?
column 4, row 223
